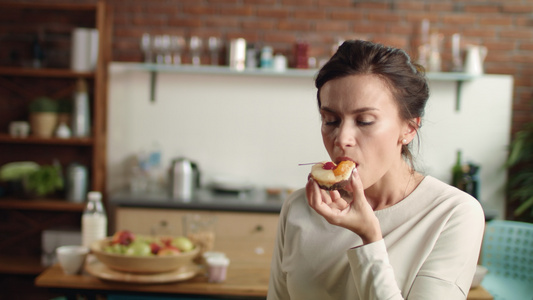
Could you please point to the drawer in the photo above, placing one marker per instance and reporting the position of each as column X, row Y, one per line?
column 151, row 220
column 228, row 225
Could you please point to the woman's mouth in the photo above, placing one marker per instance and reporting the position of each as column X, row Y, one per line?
column 345, row 158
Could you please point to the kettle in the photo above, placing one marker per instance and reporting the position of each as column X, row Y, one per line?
column 184, row 179
column 475, row 56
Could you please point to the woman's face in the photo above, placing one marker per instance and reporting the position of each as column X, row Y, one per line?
column 360, row 120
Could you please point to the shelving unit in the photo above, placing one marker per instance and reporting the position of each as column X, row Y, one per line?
column 154, row 69
column 23, row 220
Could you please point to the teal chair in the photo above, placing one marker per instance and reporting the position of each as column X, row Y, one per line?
column 507, row 253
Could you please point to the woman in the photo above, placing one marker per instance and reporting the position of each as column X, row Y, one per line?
column 393, row 233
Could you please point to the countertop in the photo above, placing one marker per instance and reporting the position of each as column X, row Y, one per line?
column 255, row 200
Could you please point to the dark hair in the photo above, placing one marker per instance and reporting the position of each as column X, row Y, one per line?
column 405, row 79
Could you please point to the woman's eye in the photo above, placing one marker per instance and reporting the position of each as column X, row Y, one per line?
column 365, row 123
column 331, row 122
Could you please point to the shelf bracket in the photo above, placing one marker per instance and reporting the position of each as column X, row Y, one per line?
column 458, row 89
column 153, row 79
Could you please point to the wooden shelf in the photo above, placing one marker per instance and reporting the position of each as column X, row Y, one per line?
column 24, row 220
column 458, row 77
column 24, row 265
column 41, row 204
column 44, row 72
column 5, row 138
column 49, row 6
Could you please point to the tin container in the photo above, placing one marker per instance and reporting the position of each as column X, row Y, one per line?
column 77, row 182
column 237, row 54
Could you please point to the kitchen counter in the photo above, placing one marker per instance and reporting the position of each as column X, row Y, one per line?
column 207, row 199
column 255, row 200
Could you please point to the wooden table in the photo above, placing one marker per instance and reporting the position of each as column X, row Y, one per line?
column 242, row 281
column 247, row 278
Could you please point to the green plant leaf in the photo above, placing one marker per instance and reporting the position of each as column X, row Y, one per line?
column 520, row 182
column 524, row 206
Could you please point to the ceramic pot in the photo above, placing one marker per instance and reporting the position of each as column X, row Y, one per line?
column 43, row 124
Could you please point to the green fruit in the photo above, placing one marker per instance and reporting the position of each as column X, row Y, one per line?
column 183, row 243
column 138, row 249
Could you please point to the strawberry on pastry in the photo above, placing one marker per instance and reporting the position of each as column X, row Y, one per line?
column 330, row 176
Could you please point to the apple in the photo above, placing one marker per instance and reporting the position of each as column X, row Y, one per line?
column 183, row 243
column 168, row 250
column 123, row 237
column 139, row 249
column 166, row 241
column 115, row 248
column 155, row 247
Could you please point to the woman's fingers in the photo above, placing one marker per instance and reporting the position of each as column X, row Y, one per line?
column 358, row 190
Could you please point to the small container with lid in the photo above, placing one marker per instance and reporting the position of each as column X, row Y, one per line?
column 217, row 267
column 267, row 58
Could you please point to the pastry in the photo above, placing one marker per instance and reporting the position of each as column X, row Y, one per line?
column 330, row 176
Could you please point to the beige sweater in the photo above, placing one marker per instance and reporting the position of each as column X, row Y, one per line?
column 430, row 247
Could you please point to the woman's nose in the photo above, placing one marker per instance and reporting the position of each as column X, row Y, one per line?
column 345, row 135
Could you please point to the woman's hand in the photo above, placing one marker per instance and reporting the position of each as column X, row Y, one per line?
column 355, row 214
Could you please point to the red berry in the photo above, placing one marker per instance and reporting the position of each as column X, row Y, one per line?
column 329, row 166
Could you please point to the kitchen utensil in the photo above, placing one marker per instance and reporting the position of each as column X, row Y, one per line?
column 184, row 179
column 475, row 56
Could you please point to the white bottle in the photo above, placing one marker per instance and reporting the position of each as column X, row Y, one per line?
column 94, row 220
column 81, row 125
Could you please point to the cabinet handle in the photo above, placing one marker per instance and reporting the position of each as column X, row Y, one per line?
column 259, row 228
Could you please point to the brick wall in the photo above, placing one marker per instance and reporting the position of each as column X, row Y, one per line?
column 505, row 27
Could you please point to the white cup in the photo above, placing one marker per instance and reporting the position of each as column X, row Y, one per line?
column 72, row 258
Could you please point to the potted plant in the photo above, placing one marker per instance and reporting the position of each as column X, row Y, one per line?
column 520, row 164
column 43, row 116
column 45, row 181
column 12, row 177
column 29, row 179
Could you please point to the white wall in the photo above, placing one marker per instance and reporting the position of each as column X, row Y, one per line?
column 259, row 128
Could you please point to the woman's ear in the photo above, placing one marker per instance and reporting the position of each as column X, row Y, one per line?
column 411, row 129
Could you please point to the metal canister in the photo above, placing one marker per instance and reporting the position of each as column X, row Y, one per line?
column 237, row 54
column 77, row 183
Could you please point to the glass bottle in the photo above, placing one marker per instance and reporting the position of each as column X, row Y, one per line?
column 94, row 220
column 457, row 170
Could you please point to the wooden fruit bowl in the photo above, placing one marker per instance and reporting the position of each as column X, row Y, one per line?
column 142, row 264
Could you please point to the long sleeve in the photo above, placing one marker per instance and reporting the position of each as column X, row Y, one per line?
column 372, row 272
column 446, row 271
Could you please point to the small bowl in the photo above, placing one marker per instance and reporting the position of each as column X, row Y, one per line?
column 142, row 264
column 481, row 271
